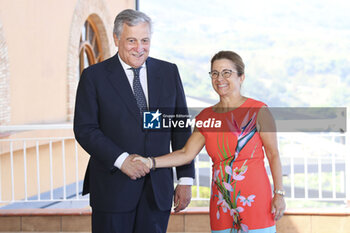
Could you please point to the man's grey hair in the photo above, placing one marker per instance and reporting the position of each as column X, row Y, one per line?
column 131, row 18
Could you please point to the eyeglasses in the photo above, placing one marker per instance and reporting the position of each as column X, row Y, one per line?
column 225, row 74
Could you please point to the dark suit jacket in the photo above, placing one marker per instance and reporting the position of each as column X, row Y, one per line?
column 107, row 122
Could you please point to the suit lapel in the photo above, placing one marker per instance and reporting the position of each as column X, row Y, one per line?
column 154, row 82
column 120, row 82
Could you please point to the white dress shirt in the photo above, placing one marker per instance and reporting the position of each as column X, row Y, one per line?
column 143, row 79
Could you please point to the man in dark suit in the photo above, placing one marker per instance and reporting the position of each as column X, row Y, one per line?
column 125, row 196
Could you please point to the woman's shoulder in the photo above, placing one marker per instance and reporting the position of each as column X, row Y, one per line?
column 206, row 110
column 205, row 113
column 255, row 103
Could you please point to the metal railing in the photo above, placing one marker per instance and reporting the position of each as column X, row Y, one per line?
column 315, row 166
column 46, row 170
column 41, row 170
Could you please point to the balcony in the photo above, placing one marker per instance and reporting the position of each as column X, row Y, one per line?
column 41, row 178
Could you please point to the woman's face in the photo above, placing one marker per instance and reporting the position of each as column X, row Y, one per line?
column 230, row 84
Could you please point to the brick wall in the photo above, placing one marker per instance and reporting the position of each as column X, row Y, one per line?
column 5, row 112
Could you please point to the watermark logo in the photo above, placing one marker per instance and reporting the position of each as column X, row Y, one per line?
column 302, row 119
column 152, row 120
column 157, row 120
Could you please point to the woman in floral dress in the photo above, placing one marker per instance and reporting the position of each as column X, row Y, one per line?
column 241, row 198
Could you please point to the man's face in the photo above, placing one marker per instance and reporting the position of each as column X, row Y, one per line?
column 133, row 44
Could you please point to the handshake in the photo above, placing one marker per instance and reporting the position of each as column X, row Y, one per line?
column 136, row 166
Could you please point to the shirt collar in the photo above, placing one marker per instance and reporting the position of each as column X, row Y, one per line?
column 126, row 66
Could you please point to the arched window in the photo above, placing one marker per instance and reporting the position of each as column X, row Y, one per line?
column 90, row 48
column 88, row 43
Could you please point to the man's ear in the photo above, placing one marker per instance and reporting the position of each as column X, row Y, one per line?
column 116, row 40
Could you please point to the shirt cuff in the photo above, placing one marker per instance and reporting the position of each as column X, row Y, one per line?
column 185, row 181
column 120, row 160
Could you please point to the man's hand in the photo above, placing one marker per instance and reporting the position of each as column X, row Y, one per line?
column 134, row 169
column 146, row 161
column 182, row 197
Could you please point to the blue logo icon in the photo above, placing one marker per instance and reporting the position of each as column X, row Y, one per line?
column 151, row 120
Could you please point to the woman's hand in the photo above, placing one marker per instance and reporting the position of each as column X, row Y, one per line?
column 146, row 161
column 278, row 206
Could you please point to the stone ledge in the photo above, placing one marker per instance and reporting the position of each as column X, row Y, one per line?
column 319, row 212
column 190, row 211
column 189, row 220
column 46, row 212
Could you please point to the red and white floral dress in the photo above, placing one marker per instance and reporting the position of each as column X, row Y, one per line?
column 241, row 191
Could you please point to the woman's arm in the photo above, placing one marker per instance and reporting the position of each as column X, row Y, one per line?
column 180, row 157
column 268, row 135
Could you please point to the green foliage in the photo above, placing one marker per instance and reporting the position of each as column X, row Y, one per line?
column 294, row 204
column 313, row 181
column 204, row 192
column 294, row 55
